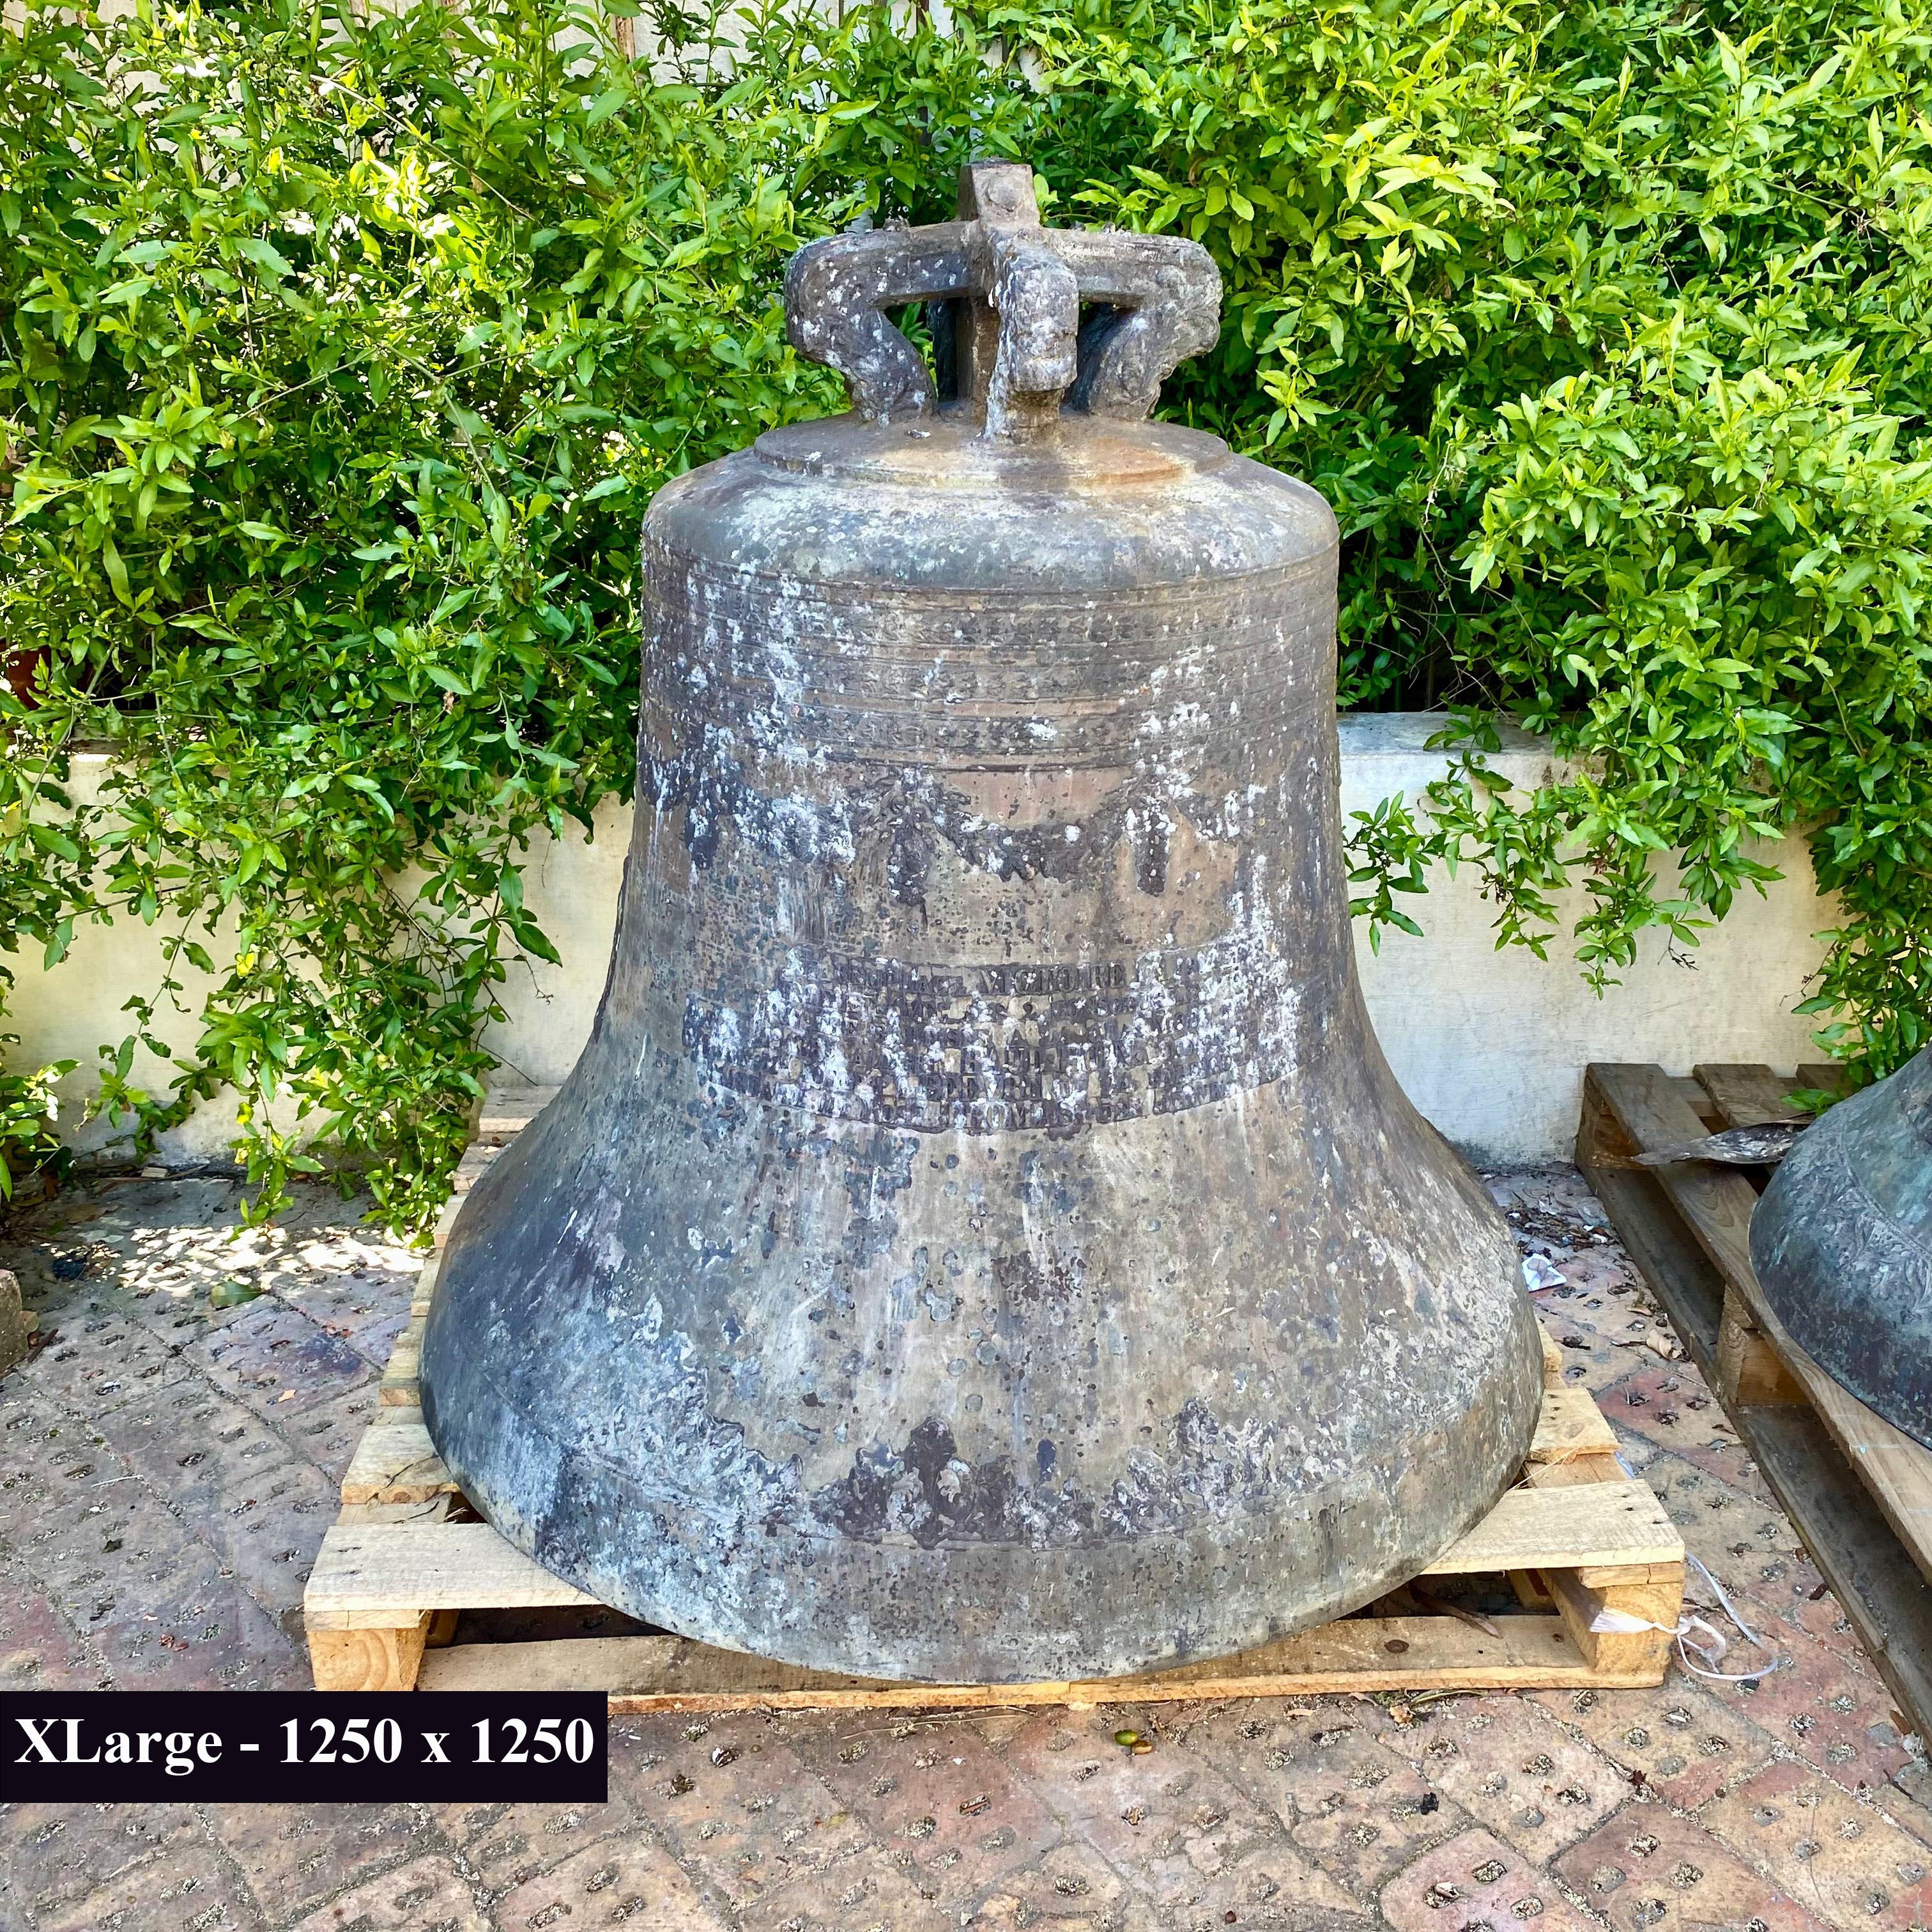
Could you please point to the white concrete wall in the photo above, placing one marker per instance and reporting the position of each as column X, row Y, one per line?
column 1490, row 1045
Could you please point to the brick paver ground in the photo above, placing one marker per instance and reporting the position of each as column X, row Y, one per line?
column 167, row 1468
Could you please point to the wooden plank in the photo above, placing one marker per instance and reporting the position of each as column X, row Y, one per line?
column 445, row 1221
column 432, row 1509
column 1895, row 1469
column 1747, row 1095
column 1750, row 1370
column 369, row 1576
column 1885, row 1595
column 1571, row 1427
column 396, row 1463
column 1622, row 1630
column 660, row 1673
column 1688, row 1288
column 421, row 1295
column 1716, row 1203
column 508, row 1110
column 471, row 1169
column 1826, row 1076
column 400, row 1386
column 368, row 1659
column 1692, row 1089
column 1600, row 1468
column 1610, row 1526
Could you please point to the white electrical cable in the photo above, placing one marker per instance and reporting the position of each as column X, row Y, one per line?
column 1712, row 1652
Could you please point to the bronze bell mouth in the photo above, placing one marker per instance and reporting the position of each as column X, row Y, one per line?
column 1841, row 1241
column 982, row 1239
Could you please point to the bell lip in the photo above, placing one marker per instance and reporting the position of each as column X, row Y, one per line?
column 818, row 1648
column 1841, row 1258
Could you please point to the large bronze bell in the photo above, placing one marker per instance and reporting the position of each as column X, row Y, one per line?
column 982, row 1239
column 1842, row 1244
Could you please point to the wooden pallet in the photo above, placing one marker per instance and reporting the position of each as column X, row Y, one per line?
column 1858, row 1491
column 1593, row 1566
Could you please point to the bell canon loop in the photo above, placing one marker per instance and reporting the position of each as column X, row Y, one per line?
column 982, row 1239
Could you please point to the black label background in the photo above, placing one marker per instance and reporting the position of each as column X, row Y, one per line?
column 261, row 1777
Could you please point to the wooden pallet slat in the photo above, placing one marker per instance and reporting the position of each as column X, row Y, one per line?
column 1747, row 1096
column 658, row 1673
column 396, row 1463
column 507, row 1111
column 369, row 1576
column 1603, row 1529
column 1857, row 1490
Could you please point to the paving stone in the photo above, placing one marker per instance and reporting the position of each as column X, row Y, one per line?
column 1686, row 1744
column 1351, row 1803
column 1174, row 1821
column 1072, row 1889
column 274, row 1357
column 1914, row 1783
column 1650, row 1871
column 1588, row 1333
column 1476, row 1883
column 1270, row 1885
column 1589, row 1359
column 191, row 1445
column 1788, row 1592
column 183, row 1887
column 182, row 1631
column 32, row 1426
column 106, row 1553
column 274, row 1650
column 427, row 1894
column 267, row 1536
column 939, row 1791
column 1847, row 1863
column 861, row 1888
column 1828, row 1712
column 56, row 1458
column 373, row 1337
column 39, row 1650
column 293, row 1856
column 737, row 1808
column 1670, row 1404
column 1731, row 1531
column 623, row 1880
column 506, row 1845
column 326, row 1433
column 1510, row 1767
column 99, row 1358
column 56, row 1854
column 1306, row 1816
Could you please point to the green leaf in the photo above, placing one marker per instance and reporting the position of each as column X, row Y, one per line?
column 266, row 256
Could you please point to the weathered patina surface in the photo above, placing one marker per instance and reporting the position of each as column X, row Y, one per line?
column 1842, row 1243
column 982, row 1238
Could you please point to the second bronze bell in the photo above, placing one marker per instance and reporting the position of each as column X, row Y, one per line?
column 982, row 1239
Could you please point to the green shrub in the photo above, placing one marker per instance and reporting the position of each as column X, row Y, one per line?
column 29, row 1108
column 338, row 359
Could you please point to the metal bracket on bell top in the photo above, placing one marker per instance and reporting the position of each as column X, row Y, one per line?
column 1005, row 295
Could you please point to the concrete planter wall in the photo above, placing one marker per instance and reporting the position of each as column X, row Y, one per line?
column 1490, row 1045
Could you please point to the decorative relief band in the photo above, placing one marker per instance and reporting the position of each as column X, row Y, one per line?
column 998, row 1048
